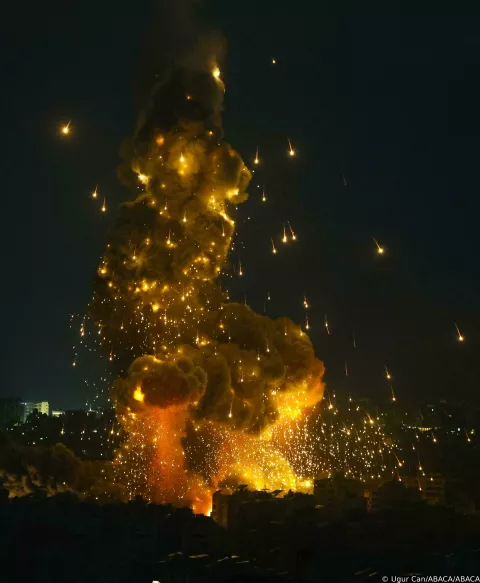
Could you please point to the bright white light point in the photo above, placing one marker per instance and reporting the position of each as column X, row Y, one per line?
column 216, row 72
column 66, row 128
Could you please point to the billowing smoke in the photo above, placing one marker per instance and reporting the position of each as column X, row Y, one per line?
column 198, row 373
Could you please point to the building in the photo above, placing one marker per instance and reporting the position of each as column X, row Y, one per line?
column 408, row 490
column 42, row 407
column 372, row 498
column 253, row 510
column 430, row 486
column 226, row 504
column 12, row 410
column 339, row 491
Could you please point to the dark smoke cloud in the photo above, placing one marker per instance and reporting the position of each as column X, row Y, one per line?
column 177, row 36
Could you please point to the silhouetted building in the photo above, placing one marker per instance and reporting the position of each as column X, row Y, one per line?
column 430, row 486
column 394, row 493
column 339, row 493
column 12, row 410
column 225, row 504
column 244, row 507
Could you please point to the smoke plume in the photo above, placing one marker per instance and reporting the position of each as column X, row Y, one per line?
column 202, row 380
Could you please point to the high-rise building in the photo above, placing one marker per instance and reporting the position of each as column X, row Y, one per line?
column 11, row 411
column 42, row 407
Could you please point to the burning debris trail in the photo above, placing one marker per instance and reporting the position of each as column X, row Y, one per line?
column 202, row 381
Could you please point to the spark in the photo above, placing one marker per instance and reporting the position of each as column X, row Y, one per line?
column 256, row 159
column 307, row 326
column 380, row 249
column 264, row 196
column 95, row 192
column 66, row 129
column 274, row 250
column 294, row 237
column 346, row 369
column 387, row 374
column 216, row 72
column 326, row 325
column 393, row 394
column 291, row 151
column 459, row 334
column 240, row 270
column 344, row 180
column 284, row 238
column 274, row 62
column 104, row 206
column 305, row 302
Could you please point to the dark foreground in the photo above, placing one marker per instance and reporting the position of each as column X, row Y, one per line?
column 65, row 540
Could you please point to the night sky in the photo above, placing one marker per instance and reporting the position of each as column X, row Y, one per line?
column 389, row 101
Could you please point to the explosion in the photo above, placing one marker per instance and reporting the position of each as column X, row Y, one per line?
column 209, row 393
column 202, row 381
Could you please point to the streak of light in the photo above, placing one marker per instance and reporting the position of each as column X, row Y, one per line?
column 380, row 250
column 66, row 129
column 291, row 151
column 461, row 338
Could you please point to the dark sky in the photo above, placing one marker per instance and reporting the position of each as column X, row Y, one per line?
column 391, row 101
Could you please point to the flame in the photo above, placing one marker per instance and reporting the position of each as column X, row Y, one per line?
column 138, row 395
